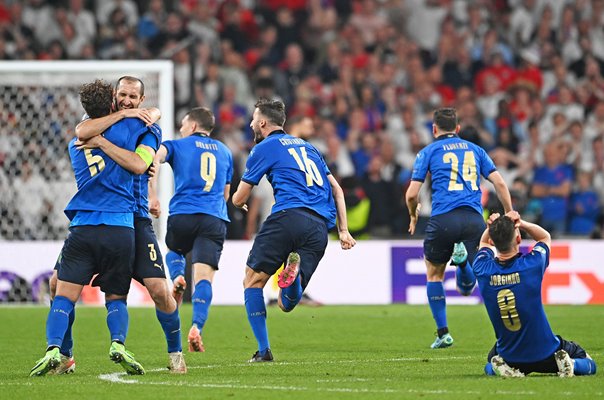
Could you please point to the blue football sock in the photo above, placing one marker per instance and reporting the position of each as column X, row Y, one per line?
column 201, row 299
column 465, row 278
column 256, row 314
column 67, row 346
column 176, row 264
column 290, row 296
column 488, row 369
column 438, row 303
column 170, row 323
column 58, row 320
column 117, row 320
column 584, row 366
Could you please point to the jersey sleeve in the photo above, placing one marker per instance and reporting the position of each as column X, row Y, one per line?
column 539, row 256
column 169, row 145
column 256, row 166
column 483, row 256
column 420, row 166
column 149, row 139
column 229, row 174
column 487, row 166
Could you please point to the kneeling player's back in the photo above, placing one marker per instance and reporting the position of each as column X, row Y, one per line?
column 202, row 167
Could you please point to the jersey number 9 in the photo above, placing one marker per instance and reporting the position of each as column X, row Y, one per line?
column 468, row 170
column 208, row 170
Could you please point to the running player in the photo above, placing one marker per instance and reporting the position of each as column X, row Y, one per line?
column 456, row 222
column 304, row 210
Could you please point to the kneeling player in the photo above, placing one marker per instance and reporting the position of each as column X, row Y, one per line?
column 510, row 285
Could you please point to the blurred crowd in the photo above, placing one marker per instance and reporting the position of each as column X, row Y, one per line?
column 360, row 79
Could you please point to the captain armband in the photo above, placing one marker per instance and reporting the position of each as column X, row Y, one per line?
column 145, row 155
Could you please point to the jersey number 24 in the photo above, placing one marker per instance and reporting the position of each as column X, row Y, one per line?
column 468, row 170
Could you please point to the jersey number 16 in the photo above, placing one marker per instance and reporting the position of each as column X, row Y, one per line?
column 307, row 166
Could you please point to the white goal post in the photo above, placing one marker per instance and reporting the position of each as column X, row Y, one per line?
column 39, row 100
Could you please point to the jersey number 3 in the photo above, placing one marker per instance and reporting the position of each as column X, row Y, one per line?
column 307, row 166
column 468, row 170
column 208, row 170
column 507, row 306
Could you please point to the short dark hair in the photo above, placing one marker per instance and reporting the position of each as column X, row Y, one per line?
column 203, row 117
column 502, row 232
column 131, row 79
column 96, row 98
column 273, row 110
column 446, row 119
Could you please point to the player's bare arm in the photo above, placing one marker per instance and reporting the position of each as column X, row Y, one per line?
column 485, row 238
column 93, row 127
column 501, row 188
column 227, row 192
column 346, row 239
column 244, row 190
column 412, row 199
column 536, row 232
column 136, row 162
column 154, row 204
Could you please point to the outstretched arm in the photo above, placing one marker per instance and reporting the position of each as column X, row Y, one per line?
column 346, row 239
column 95, row 126
column 501, row 188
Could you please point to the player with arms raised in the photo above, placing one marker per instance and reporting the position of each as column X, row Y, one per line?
column 304, row 210
column 510, row 284
column 456, row 223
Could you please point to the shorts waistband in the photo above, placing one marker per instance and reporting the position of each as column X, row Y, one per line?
column 309, row 213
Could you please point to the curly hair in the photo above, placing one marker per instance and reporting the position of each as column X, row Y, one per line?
column 96, row 98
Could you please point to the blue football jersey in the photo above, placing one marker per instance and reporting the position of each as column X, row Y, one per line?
column 297, row 173
column 141, row 182
column 202, row 168
column 455, row 166
column 512, row 295
column 104, row 186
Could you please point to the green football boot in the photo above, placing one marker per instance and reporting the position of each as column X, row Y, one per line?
column 50, row 361
column 119, row 355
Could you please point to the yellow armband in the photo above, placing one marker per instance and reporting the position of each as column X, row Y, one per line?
column 145, row 155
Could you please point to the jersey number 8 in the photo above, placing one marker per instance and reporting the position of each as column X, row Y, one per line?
column 507, row 306
column 468, row 170
column 307, row 166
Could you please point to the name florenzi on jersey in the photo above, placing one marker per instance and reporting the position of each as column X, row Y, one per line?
column 455, row 146
column 206, row 146
column 509, row 279
column 289, row 142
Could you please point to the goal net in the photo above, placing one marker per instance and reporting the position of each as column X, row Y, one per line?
column 39, row 109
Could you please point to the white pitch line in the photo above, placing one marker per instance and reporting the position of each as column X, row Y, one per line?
column 120, row 377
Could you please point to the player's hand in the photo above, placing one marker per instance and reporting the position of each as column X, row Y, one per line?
column 413, row 220
column 93, row 143
column 242, row 207
column 152, row 170
column 140, row 113
column 514, row 216
column 154, row 207
column 492, row 218
column 346, row 240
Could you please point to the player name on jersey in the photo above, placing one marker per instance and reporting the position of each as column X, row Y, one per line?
column 455, row 146
column 206, row 146
column 289, row 142
column 509, row 279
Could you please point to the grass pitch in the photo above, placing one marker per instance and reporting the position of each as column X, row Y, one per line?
column 359, row 352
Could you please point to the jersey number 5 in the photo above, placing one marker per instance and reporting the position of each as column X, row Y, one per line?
column 468, row 170
column 307, row 166
column 95, row 163
column 507, row 306
column 208, row 170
